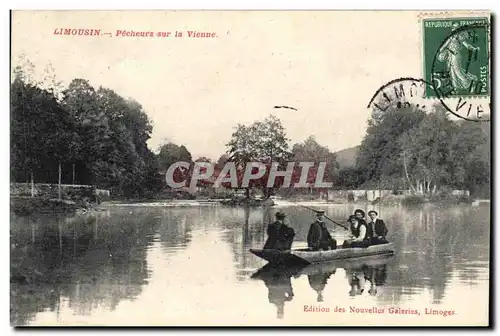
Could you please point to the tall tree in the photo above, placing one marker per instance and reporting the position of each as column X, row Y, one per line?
column 170, row 153
column 42, row 133
column 426, row 152
column 311, row 151
column 380, row 151
column 263, row 141
column 470, row 157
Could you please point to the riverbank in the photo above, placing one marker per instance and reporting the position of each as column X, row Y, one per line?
column 23, row 205
column 163, row 203
column 26, row 205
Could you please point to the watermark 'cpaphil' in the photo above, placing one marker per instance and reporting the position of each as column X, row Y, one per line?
column 272, row 175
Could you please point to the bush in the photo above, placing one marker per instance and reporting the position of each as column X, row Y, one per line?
column 413, row 200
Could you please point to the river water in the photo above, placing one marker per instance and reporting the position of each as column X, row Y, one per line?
column 192, row 266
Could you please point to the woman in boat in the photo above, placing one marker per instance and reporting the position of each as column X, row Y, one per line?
column 358, row 233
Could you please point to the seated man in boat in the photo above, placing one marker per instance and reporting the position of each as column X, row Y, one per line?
column 318, row 237
column 359, row 236
column 280, row 235
column 377, row 230
column 360, row 214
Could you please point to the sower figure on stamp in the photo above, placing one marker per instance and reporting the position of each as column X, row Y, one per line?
column 377, row 229
column 280, row 235
column 318, row 237
column 451, row 54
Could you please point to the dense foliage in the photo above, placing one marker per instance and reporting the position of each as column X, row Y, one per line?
column 94, row 135
column 426, row 153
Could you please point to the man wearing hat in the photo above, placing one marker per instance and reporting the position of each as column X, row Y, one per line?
column 280, row 235
column 318, row 237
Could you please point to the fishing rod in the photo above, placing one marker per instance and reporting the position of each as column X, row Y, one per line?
column 345, row 227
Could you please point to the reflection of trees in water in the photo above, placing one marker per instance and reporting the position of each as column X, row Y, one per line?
column 244, row 228
column 93, row 261
column 176, row 226
column 433, row 245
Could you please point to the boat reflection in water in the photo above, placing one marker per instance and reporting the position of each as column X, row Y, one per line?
column 318, row 282
column 278, row 279
column 375, row 273
column 279, row 284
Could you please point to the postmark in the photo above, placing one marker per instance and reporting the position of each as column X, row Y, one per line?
column 456, row 66
column 404, row 92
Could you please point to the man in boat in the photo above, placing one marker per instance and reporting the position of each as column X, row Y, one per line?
column 377, row 230
column 359, row 236
column 280, row 235
column 318, row 237
column 360, row 214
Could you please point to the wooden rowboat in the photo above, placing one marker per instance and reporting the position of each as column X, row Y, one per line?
column 372, row 261
column 278, row 271
column 305, row 256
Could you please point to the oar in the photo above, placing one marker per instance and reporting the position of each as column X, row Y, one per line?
column 331, row 220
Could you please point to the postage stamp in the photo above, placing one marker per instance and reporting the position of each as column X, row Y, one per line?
column 456, row 57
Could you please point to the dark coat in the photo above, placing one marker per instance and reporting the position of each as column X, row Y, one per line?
column 318, row 237
column 280, row 237
column 357, row 231
column 379, row 228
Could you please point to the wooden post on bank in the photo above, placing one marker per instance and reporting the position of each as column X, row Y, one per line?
column 59, row 191
column 32, row 186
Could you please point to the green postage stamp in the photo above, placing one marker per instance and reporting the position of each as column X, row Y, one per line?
column 456, row 57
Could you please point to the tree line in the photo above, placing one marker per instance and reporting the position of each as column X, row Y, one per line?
column 80, row 135
column 427, row 153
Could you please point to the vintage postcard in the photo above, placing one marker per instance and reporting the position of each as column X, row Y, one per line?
column 250, row 168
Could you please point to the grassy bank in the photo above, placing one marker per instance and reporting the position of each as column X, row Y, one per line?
column 25, row 205
column 443, row 199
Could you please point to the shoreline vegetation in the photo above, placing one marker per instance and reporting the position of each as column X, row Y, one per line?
column 92, row 137
column 25, row 205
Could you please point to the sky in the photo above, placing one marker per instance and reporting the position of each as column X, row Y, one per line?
column 326, row 64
